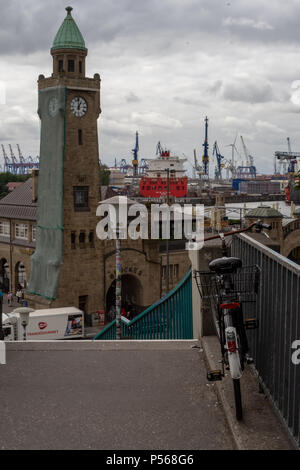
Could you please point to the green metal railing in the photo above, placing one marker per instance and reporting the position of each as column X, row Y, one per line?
column 169, row 318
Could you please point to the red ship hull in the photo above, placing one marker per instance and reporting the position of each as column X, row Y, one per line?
column 158, row 187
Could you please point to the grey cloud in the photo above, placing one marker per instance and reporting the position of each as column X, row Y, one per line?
column 132, row 98
column 174, row 56
column 30, row 26
column 248, row 92
column 189, row 101
column 215, row 87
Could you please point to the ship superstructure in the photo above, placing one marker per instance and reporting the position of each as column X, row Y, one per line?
column 165, row 175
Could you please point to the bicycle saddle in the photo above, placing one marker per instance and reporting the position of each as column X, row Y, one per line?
column 225, row 265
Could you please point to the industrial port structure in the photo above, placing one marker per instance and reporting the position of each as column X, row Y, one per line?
column 17, row 166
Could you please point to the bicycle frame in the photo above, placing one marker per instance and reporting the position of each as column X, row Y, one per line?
column 233, row 282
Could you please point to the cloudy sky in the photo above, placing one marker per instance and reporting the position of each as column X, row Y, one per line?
column 164, row 65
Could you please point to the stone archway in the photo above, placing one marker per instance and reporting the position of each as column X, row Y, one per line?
column 4, row 275
column 132, row 294
column 20, row 275
column 295, row 255
column 291, row 246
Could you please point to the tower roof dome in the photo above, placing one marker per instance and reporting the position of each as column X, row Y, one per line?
column 68, row 35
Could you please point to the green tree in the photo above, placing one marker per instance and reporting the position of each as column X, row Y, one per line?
column 8, row 178
column 297, row 184
column 104, row 175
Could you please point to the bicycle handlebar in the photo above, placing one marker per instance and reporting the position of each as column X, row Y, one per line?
column 258, row 224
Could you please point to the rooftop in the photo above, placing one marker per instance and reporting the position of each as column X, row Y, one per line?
column 264, row 212
column 18, row 204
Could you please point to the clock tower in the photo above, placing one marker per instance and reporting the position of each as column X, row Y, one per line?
column 67, row 267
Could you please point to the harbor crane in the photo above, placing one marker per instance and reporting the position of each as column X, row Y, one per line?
column 198, row 168
column 288, row 157
column 162, row 152
column 7, row 163
column 231, row 166
column 205, row 158
column 16, row 167
column 135, row 151
column 220, row 165
column 12, row 155
column 143, row 166
column 248, row 170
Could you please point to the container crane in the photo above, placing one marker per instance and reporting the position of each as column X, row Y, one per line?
column 13, row 157
column 220, row 165
column 7, row 163
column 124, row 166
column 22, row 160
column 143, row 166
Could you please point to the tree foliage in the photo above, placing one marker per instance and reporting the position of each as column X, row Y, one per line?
column 297, row 183
column 104, row 175
column 9, row 178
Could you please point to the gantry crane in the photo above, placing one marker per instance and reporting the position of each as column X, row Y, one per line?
column 288, row 157
column 143, row 166
column 7, row 163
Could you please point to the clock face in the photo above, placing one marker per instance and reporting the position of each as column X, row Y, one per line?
column 78, row 106
column 53, row 106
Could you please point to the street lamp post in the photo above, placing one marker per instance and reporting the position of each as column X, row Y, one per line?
column 24, row 313
column 120, row 204
column 118, row 287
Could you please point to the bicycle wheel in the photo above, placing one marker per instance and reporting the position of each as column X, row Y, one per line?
column 238, row 399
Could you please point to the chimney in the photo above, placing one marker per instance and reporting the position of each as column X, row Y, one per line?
column 34, row 175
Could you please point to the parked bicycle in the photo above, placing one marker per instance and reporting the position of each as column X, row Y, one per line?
column 228, row 285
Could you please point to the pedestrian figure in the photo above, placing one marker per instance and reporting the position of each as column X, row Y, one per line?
column 18, row 295
column 9, row 298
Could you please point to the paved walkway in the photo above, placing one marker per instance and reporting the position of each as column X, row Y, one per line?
column 109, row 395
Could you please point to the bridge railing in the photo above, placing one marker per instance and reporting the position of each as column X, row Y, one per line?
column 169, row 318
column 273, row 343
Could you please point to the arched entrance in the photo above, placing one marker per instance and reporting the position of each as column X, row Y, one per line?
column 131, row 295
column 4, row 275
column 20, row 276
column 295, row 255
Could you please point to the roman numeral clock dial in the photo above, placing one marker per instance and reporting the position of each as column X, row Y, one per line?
column 78, row 106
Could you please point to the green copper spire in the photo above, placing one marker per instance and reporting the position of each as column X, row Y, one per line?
column 69, row 36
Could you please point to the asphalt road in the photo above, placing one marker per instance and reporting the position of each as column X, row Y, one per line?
column 109, row 400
